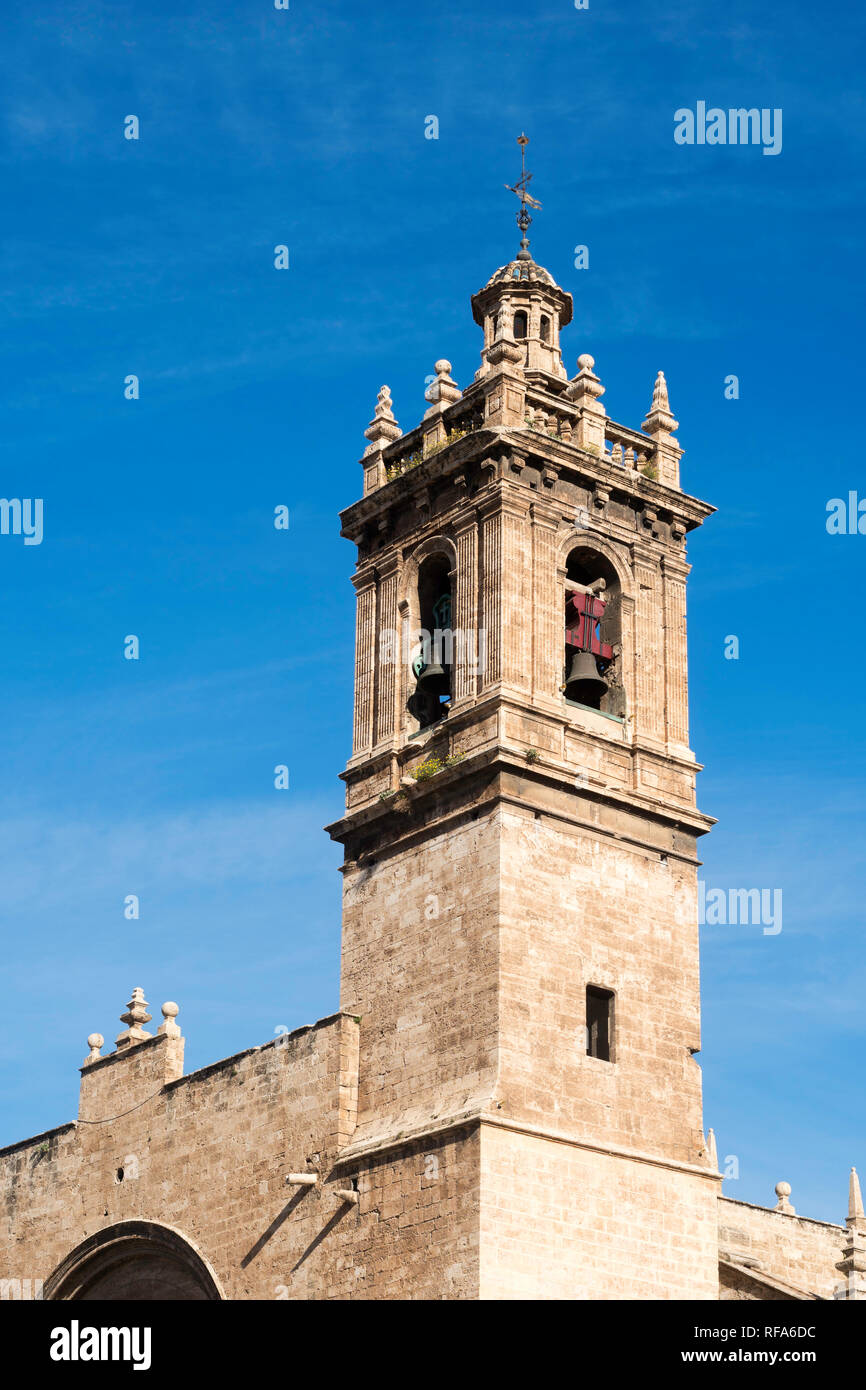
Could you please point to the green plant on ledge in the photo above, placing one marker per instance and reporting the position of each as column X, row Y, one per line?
column 443, row 443
column 433, row 764
column 532, row 755
column 397, row 470
column 650, row 471
column 397, row 800
column 430, row 766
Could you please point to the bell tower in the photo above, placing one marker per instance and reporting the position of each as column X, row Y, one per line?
column 520, row 933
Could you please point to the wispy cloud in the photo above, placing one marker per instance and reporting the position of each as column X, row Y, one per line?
column 48, row 865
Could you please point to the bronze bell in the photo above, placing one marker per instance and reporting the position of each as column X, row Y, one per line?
column 433, row 680
column 584, row 684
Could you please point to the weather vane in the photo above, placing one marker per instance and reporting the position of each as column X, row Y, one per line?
column 523, row 217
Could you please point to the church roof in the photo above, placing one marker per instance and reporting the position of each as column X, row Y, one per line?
column 521, row 269
column 524, row 272
column 755, row 1283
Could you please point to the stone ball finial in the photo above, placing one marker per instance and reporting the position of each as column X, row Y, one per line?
column 783, row 1192
column 168, row 1028
column 444, row 391
column 585, row 362
column 94, row 1042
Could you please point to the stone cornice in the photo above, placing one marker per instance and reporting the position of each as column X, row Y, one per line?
column 482, row 708
column 478, row 1115
column 565, row 460
column 503, row 760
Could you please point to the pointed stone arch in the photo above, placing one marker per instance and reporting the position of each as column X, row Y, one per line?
column 134, row 1262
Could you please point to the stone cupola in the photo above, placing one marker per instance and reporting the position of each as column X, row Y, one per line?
column 522, row 303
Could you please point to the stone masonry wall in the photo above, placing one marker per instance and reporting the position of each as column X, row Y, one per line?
column 419, row 965
column 562, row 1222
column 208, row 1154
column 582, row 908
column 796, row 1249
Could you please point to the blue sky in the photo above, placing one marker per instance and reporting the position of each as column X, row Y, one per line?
column 155, row 257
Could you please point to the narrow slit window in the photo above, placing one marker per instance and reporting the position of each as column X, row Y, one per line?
column 599, row 1023
column 520, row 324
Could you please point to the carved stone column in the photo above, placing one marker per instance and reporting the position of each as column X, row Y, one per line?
column 470, row 650
column 365, row 642
column 547, row 604
column 649, row 654
column 516, row 591
column 676, row 655
column 387, row 653
column 491, row 588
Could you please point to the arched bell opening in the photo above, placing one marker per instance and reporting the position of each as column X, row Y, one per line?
column 593, row 633
column 433, row 664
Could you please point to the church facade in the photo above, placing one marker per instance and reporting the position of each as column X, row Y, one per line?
column 507, row 1103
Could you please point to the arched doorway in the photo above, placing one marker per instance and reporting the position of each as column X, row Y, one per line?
column 134, row 1262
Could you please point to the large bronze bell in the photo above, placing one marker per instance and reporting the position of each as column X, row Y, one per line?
column 584, row 684
column 433, row 680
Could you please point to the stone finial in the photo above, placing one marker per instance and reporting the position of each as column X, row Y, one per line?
column 584, row 391
column 168, row 1028
column 853, row 1262
column 660, row 425
column 444, row 391
column 783, row 1192
column 712, row 1151
column 660, row 421
column 136, row 1014
column 94, row 1042
column 383, row 427
column 660, row 393
column 856, row 1213
column 384, row 403
column 586, row 384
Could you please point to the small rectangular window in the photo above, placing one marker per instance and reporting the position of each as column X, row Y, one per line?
column 599, row 1022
